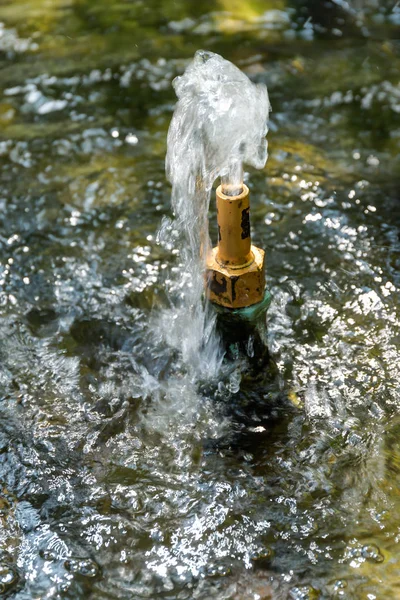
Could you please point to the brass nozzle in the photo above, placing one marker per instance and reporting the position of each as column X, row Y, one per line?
column 234, row 242
column 235, row 269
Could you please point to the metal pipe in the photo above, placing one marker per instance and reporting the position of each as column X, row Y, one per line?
column 235, row 276
column 234, row 242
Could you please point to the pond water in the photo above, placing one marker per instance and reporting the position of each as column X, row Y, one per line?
column 130, row 465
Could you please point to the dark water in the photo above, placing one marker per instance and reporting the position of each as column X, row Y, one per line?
column 121, row 474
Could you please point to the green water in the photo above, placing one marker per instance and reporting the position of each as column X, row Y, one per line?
column 120, row 476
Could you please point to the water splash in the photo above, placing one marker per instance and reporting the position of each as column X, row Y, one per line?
column 220, row 123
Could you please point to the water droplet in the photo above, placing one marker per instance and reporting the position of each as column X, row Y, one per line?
column 340, row 584
column 372, row 553
column 48, row 555
column 218, row 571
column 304, row 592
column 82, row 566
column 261, row 556
column 131, row 139
column 8, row 578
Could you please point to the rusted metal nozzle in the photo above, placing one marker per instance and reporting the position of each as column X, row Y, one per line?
column 235, row 276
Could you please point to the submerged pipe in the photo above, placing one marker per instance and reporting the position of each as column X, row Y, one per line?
column 235, row 272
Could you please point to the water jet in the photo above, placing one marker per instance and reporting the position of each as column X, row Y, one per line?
column 219, row 124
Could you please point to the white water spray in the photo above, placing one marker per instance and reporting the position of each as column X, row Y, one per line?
column 219, row 123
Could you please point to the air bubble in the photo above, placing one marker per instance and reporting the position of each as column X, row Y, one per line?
column 372, row 553
column 84, row 567
column 8, row 578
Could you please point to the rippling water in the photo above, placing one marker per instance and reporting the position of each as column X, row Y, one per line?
column 125, row 471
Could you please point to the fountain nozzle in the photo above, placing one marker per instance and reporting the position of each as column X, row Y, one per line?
column 235, row 273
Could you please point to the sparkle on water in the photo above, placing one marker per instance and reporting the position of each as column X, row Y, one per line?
column 126, row 470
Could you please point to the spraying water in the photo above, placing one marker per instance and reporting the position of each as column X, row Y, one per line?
column 219, row 123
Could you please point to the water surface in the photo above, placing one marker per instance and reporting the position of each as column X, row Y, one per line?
column 128, row 471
